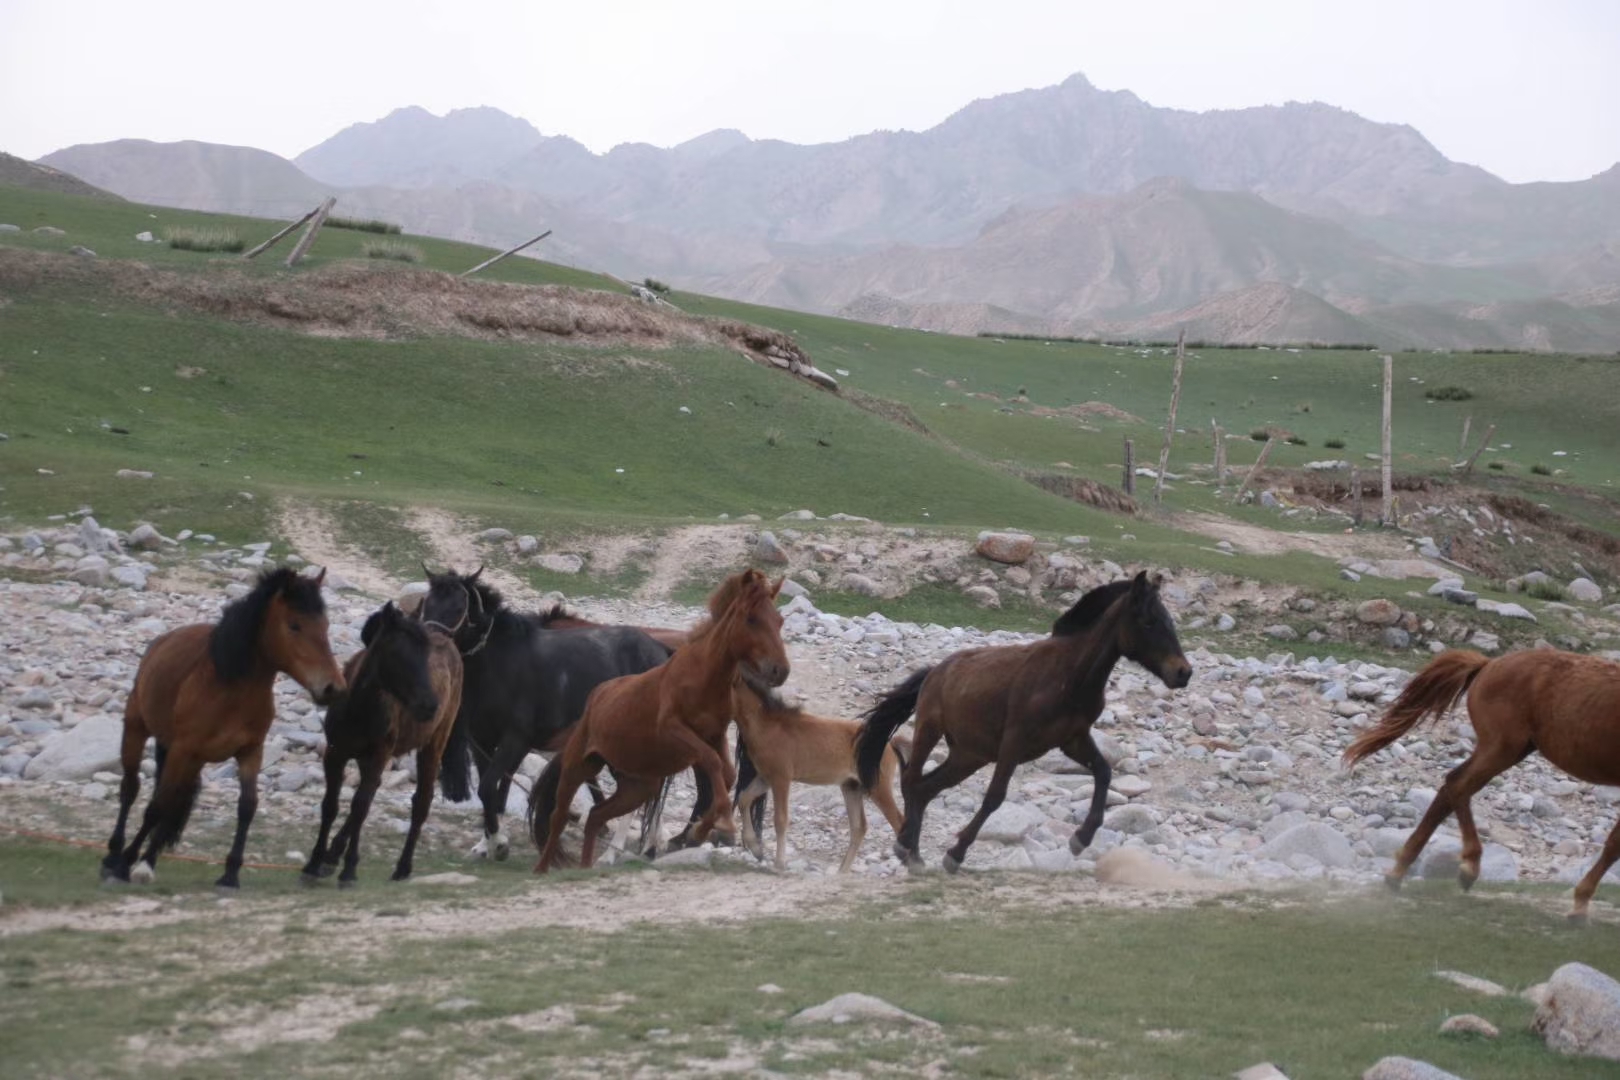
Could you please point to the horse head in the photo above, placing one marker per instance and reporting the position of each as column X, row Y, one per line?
column 456, row 605
column 292, row 631
column 1147, row 635
column 752, row 629
column 397, row 651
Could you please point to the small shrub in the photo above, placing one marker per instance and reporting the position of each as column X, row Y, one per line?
column 203, row 239
column 1545, row 590
column 371, row 225
column 1333, row 444
column 1259, row 434
column 391, row 249
column 655, row 285
column 773, row 436
column 1540, row 470
column 1448, row 393
column 1497, row 465
column 1295, row 440
column 1303, row 407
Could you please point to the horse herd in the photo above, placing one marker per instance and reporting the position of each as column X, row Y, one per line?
column 466, row 683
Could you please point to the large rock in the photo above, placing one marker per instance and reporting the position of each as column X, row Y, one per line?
column 983, row 595
column 860, row 585
column 1321, row 842
column 1011, row 548
column 1011, row 823
column 1585, row 590
column 80, row 752
column 767, row 550
column 145, row 537
column 561, row 564
column 1402, row 1068
column 1379, row 613
column 92, row 570
column 846, row 1008
column 1580, row 1013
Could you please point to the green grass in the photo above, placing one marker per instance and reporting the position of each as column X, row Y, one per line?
column 392, row 249
column 1025, row 985
column 203, row 239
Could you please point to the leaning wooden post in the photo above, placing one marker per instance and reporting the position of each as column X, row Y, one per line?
column 1170, row 425
column 1254, row 470
column 1468, row 470
column 1220, row 452
column 1386, row 515
column 1128, row 482
column 504, row 254
column 1355, row 495
column 1462, row 446
column 314, row 227
column 270, row 243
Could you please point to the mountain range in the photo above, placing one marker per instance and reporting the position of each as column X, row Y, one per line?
column 1067, row 209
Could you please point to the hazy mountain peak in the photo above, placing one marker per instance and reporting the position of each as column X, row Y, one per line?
column 411, row 147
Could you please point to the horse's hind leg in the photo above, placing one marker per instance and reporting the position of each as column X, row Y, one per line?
column 993, row 795
column 632, row 792
column 1487, row 760
column 855, row 807
column 1082, row 749
column 494, row 784
column 130, row 754
column 571, row 776
column 918, row 792
column 171, row 805
column 247, row 804
column 318, row 867
column 427, row 774
column 1588, row 885
column 746, row 800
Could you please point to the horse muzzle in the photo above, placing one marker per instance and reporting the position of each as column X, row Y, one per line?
column 765, row 676
column 328, row 693
column 1177, row 674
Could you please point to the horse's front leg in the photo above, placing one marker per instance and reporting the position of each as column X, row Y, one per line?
column 364, row 792
column 1082, row 749
column 993, row 796
column 427, row 774
column 703, row 756
column 316, row 867
column 494, row 784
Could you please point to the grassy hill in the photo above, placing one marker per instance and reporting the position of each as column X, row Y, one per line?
column 532, row 430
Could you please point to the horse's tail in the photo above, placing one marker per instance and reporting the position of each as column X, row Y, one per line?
column 1431, row 693
column 455, row 763
column 543, row 800
column 882, row 720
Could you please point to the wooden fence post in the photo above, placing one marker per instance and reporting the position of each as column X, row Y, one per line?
column 504, row 254
column 1130, row 468
column 1355, row 496
column 1386, row 515
column 1254, row 470
column 315, row 224
column 1462, row 446
column 1220, row 452
column 1170, row 425
column 268, row 244
column 1468, row 470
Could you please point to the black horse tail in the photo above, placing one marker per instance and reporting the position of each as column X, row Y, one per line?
column 455, row 763
column 882, row 721
column 746, row 772
column 543, row 801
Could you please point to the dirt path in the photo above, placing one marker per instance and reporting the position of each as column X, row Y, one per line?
column 311, row 532
column 451, row 540
column 703, row 552
column 1256, row 540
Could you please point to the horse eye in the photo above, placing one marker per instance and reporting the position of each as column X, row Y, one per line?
column 296, row 627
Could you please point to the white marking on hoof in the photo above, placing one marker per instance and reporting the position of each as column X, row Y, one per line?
column 142, row 874
column 502, row 845
column 480, row 850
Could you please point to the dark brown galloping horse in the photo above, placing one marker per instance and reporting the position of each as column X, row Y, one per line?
column 666, row 720
column 1563, row 704
column 404, row 690
column 1012, row 703
column 204, row 693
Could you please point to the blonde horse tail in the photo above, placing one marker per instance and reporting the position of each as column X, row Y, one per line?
column 1431, row 694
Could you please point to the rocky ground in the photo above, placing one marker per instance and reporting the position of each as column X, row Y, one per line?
column 1235, row 777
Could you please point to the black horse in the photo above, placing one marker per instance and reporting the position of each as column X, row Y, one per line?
column 524, row 685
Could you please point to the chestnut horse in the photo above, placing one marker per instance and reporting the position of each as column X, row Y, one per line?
column 653, row 725
column 404, row 689
column 1012, row 703
column 1563, row 704
column 203, row 692
column 788, row 744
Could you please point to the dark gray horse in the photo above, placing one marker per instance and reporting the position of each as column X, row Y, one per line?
column 524, row 686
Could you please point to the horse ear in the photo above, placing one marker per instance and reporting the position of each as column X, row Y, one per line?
column 425, row 571
column 320, row 577
column 1158, row 582
column 776, row 588
column 475, row 573
column 1140, row 586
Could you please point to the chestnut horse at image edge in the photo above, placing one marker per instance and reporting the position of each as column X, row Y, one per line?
column 1010, row 704
column 203, row 692
column 1565, row 705
column 653, row 725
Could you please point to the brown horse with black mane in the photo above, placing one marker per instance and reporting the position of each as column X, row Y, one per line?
column 1563, row 704
column 1012, row 703
column 203, row 692
column 667, row 719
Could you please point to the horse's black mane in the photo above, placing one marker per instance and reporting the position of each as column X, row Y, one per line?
column 235, row 641
column 1089, row 608
column 552, row 614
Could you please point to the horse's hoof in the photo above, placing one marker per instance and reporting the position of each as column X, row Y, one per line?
column 309, row 880
column 480, row 850
column 346, row 882
column 116, row 875
column 401, row 875
column 142, row 874
column 952, row 863
column 227, row 891
column 1466, row 882
column 902, row 852
column 1392, row 882
column 1578, row 919
column 1077, row 845
column 501, row 848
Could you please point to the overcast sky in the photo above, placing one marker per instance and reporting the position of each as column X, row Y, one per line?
column 1530, row 89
